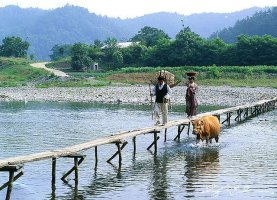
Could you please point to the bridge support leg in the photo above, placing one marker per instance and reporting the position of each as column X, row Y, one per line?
column 156, row 138
column 119, row 148
column 246, row 113
column 165, row 132
column 238, row 117
column 188, row 128
column 134, row 143
column 54, row 163
column 228, row 119
column 12, row 169
column 96, row 155
column 78, row 159
column 180, row 129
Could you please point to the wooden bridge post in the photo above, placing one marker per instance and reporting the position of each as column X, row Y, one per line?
column 95, row 155
column 228, row 119
column 156, row 138
column 118, row 151
column 180, row 129
column 165, row 132
column 246, row 113
column 134, row 144
column 155, row 141
column 12, row 169
column 9, row 189
column 188, row 128
column 238, row 117
column 255, row 112
column 75, row 168
column 54, row 163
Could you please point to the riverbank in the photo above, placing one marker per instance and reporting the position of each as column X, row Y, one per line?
column 137, row 94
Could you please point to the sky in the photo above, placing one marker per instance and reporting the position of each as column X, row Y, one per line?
column 134, row 8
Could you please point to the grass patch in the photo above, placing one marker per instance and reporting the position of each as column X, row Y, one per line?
column 18, row 72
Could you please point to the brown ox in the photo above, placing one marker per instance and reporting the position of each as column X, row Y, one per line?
column 207, row 127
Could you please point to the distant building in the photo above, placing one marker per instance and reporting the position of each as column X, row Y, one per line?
column 95, row 67
column 122, row 44
column 126, row 44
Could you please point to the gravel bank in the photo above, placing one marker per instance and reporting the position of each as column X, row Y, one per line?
column 207, row 95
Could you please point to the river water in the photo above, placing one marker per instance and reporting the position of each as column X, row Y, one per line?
column 243, row 165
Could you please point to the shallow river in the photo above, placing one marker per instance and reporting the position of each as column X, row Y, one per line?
column 243, row 165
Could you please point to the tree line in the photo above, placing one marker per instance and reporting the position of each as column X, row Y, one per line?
column 153, row 47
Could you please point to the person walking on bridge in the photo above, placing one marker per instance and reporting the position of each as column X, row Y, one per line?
column 191, row 100
column 162, row 92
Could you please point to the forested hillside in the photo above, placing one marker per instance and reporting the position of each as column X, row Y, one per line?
column 262, row 23
column 45, row 28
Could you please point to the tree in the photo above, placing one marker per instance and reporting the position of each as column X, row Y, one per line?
column 160, row 54
column 255, row 50
column 14, row 47
column 80, row 59
column 187, row 48
column 110, row 52
column 60, row 51
column 149, row 36
column 134, row 54
column 117, row 58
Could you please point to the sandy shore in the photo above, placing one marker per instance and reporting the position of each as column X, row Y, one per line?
column 138, row 94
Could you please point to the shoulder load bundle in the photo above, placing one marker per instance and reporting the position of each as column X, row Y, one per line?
column 169, row 78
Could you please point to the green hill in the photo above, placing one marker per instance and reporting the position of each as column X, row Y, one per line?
column 262, row 23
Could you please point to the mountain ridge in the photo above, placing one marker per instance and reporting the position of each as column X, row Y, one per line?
column 70, row 24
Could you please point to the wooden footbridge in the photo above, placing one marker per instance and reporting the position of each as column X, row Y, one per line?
column 14, row 165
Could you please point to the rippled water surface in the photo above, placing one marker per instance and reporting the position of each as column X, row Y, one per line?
column 242, row 166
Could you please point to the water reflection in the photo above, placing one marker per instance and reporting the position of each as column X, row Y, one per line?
column 200, row 163
column 158, row 187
